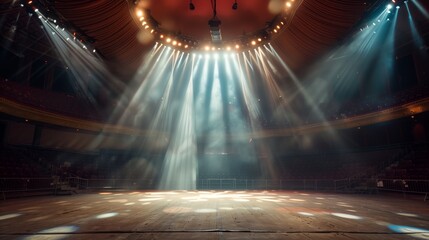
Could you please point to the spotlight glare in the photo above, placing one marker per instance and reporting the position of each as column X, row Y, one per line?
column 186, row 46
column 237, row 46
column 389, row 6
column 288, row 4
column 162, row 36
column 259, row 39
column 168, row 40
column 398, row 7
column 207, row 48
column 36, row 10
column 174, row 43
column 139, row 13
column 253, row 42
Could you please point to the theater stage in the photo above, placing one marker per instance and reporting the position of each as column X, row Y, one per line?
column 214, row 215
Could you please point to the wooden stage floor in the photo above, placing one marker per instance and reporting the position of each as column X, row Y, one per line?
column 214, row 215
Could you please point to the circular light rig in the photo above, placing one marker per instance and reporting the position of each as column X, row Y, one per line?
column 181, row 42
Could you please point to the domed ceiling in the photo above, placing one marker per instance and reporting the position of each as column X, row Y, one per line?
column 315, row 27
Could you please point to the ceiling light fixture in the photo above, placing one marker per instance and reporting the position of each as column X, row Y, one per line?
column 246, row 41
column 191, row 6
column 214, row 24
column 235, row 5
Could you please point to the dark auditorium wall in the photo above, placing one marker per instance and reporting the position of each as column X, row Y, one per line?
column 19, row 133
column 2, row 132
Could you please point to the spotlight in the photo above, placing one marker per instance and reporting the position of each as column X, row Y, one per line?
column 191, row 6
column 235, row 5
column 215, row 32
column 389, row 6
column 398, row 7
column 139, row 13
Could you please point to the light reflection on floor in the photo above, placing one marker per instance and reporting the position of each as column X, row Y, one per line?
column 7, row 216
column 106, row 215
column 345, row 215
column 414, row 232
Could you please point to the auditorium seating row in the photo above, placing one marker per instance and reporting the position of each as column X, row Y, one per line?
column 364, row 164
column 34, row 163
column 414, row 165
